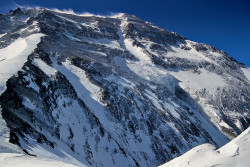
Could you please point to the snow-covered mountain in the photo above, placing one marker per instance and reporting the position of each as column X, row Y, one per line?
column 113, row 91
column 234, row 153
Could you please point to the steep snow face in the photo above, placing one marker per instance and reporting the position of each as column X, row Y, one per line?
column 234, row 153
column 114, row 91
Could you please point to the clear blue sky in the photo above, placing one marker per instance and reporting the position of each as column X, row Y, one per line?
column 224, row 24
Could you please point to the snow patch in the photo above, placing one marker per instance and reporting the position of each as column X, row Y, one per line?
column 246, row 72
column 50, row 71
column 108, row 43
column 1, row 35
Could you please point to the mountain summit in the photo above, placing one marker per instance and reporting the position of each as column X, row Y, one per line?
column 113, row 91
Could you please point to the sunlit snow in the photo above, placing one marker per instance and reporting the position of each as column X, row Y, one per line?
column 15, row 55
column 235, row 153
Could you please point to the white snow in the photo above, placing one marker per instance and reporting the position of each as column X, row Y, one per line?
column 50, row 71
column 33, row 28
column 191, row 54
column 108, row 43
column 153, row 99
column 246, row 71
column 22, row 160
column 146, row 69
column 233, row 154
column 81, row 78
column 172, row 110
column 197, row 82
column 1, row 35
column 13, row 57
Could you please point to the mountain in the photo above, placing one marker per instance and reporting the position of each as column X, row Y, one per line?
column 113, row 91
column 234, row 153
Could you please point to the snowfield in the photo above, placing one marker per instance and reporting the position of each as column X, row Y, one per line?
column 233, row 154
column 21, row 160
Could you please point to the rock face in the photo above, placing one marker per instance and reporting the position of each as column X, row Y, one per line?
column 117, row 91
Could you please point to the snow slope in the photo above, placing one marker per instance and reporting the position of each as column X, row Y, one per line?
column 21, row 160
column 235, row 153
column 13, row 57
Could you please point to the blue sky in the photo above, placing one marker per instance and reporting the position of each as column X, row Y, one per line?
column 224, row 24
